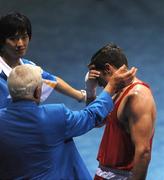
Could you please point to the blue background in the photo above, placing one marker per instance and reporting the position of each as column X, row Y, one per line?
column 66, row 33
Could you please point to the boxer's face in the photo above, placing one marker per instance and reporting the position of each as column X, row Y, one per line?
column 104, row 76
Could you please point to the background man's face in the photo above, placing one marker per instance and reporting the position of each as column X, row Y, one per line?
column 16, row 46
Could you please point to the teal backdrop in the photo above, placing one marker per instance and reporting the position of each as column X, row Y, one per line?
column 67, row 32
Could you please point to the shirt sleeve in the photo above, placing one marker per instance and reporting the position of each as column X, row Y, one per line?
column 49, row 81
column 80, row 122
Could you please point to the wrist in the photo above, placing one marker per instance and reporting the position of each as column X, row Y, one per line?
column 83, row 96
column 91, row 92
column 110, row 89
column 90, row 86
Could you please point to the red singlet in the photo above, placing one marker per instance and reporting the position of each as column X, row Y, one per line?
column 116, row 149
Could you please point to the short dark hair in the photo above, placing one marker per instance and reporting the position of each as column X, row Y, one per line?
column 12, row 23
column 111, row 54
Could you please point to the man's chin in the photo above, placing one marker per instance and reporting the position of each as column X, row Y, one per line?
column 21, row 53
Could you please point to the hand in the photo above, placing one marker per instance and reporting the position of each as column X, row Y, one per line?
column 91, row 82
column 120, row 79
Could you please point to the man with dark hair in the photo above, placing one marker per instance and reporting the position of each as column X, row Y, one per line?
column 125, row 149
column 109, row 54
column 12, row 24
column 15, row 35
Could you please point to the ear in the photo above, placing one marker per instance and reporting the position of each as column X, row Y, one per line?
column 37, row 94
column 109, row 68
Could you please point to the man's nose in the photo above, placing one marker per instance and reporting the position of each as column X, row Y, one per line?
column 20, row 42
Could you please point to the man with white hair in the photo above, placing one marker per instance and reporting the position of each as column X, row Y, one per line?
column 22, row 84
column 32, row 135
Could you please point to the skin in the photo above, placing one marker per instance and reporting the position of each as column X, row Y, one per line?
column 138, row 109
column 116, row 78
column 15, row 47
column 137, row 113
column 123, row 77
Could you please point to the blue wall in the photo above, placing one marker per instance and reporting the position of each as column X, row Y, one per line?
column 67, row 33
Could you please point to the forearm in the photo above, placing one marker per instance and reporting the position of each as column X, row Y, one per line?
column 68, row 90
column 140, row 167
column 109, row 89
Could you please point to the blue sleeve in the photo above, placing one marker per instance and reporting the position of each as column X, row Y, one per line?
column 80, row 122
column 48, row 76
column 4, row 93
column 26, row 61
column 45, row 74
column 49, row 81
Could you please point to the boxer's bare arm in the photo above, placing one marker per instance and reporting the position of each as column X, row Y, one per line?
column 141, row 114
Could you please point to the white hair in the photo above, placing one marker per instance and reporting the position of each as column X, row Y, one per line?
column 23, row 80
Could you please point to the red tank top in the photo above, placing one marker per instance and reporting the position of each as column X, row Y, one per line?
column 116, row 149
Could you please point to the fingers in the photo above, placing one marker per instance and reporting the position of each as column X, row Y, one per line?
column 93, row 74
column 133, row 71
column 122, row 69
column 124, row 77
column 130, row 74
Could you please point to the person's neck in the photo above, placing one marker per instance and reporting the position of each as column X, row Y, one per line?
column 116, row 96
column 32, row 99
column 11, row 61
